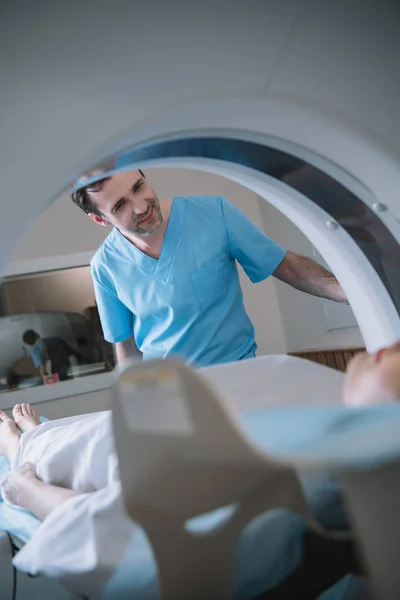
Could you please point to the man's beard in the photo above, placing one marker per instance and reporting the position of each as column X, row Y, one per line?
column 157, row 218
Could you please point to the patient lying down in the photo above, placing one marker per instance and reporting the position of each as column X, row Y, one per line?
column 370, row 379
column 65, row 472
column 72, row 463
column 23, row 487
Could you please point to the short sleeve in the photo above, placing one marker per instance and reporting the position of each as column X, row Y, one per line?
column 116, row 319
column 258, row 254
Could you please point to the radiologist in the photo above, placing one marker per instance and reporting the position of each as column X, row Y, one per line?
column 166, row 279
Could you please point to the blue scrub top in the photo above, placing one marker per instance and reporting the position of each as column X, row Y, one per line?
column 187, row 303
column 38, row 353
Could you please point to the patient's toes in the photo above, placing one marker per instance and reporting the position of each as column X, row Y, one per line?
column 30, row 410
column 4, row 416
column 33, row 414
column 25, row 417
column 17, row 411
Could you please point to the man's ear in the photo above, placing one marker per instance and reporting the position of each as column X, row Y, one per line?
column 99, row 220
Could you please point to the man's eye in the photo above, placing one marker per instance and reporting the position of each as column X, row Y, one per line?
column 137, row 186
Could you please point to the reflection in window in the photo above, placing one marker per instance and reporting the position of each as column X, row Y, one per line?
column 50, row 329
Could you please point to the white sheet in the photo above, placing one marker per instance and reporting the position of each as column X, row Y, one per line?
column 82, row 542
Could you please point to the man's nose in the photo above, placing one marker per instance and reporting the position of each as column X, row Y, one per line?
column 140, row 207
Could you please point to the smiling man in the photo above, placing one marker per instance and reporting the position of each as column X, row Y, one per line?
column 166, row 279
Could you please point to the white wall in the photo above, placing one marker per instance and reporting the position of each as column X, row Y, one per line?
column 79, row 404
column 64, row 230
column 302, row 315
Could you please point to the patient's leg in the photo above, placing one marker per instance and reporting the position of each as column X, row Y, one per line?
column 23, row 488
column 9, row 437
column 25, row 417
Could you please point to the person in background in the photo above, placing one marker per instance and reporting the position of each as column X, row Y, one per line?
column 53, row 349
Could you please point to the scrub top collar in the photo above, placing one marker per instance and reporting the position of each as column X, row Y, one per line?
column 158, row 267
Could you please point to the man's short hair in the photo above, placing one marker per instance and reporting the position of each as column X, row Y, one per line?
column 30, row 337
column 81, row 197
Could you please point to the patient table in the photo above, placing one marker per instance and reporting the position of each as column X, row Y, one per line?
column 279, row 535
column 320, row 433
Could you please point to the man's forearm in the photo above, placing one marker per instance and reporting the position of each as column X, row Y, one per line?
column 126, row 350
column 308, row 276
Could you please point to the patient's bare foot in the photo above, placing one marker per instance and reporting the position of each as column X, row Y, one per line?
column 17, row 482
column 25, row 417
column 9, row 436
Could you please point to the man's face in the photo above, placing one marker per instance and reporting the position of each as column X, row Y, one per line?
column 127, row 202
column 373, row 378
